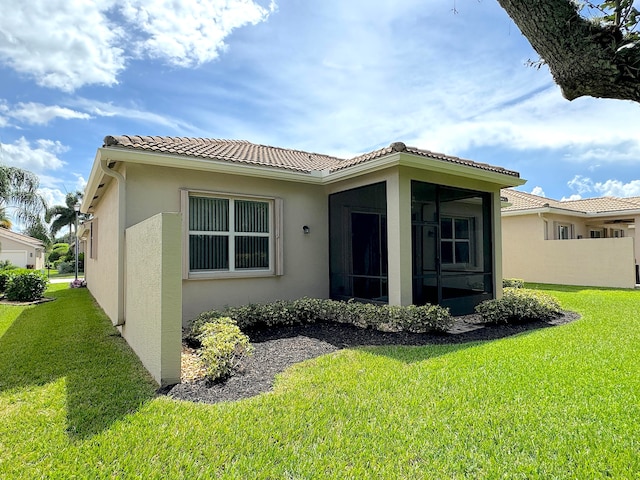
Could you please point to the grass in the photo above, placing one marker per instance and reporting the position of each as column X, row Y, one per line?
column 560, row 402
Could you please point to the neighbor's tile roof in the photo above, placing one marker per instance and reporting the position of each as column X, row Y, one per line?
column 35, row 242
column 527, row 201
column 241, row 151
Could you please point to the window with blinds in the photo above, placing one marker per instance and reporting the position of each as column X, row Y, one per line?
column 229, row 234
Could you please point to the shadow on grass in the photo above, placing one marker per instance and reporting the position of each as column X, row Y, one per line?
column 72, row 338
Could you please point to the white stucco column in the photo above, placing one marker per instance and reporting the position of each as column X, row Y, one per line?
column 496, row 214
column 399, row 239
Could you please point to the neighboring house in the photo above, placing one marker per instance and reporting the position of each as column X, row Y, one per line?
column 590, row 242
column 184, row 225
column 21, row 250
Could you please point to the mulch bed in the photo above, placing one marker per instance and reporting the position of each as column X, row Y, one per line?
column 278, row 348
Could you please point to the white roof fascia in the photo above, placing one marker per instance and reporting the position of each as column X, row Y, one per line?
column 571, row 213
column 323, row 177
column 424, row 163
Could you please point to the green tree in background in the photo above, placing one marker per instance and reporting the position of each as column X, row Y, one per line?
column 19, row 194
column 63, row 215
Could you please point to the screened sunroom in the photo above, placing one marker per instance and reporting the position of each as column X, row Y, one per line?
column 451, row 245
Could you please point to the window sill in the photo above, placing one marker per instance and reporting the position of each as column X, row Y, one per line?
column 228, row 275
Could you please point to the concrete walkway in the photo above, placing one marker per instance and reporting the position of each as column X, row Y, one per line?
column 63, row 280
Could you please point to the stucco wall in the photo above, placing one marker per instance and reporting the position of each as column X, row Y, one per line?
column 20, row 254
column 604, row 262
column 101, row 272
column 306, row 257
column 154, row 295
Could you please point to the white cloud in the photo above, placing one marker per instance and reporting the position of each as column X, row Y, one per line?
column 68, row 44
column 39, row 114
column 616, row 188
column 587, row 129
column 52, row 196
column 62, row 44
column 575, row 196
column 608, row 188
column 189, row 33
column 107, row 109
column 37, row 158
column 538, row 191
column 581, row 184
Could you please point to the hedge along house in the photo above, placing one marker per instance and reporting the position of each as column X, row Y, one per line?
column 184, row 225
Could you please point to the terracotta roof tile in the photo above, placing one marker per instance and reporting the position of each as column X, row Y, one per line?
column 242, row 151
column 527, row 201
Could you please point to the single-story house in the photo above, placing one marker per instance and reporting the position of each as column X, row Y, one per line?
column 184, row 225
column 21, row 250
column 590, row 242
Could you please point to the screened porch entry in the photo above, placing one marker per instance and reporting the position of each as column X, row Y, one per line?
column 452, row 258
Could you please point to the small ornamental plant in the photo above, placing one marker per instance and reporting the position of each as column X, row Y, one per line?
column 386, row 318
column 519, row 305
column 25, row 285
column 78, row 283
column 512, row 283
column 224, row 347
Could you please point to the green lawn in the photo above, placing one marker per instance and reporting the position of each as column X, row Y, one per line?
column 560, row 402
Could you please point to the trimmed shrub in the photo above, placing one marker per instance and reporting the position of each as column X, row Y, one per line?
column 512, row 283
column 417, row 319
column 4, row 279
column 224, row 347
column 519, row 305
column 25, row 285
column 66, row 267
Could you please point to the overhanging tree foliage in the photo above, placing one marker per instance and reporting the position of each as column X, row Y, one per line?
column 597, row 57
column 63, row 215
column 19, row 192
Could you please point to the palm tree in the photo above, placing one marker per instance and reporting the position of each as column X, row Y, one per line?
column 19, row 192
column 5, row 221
column 63, row 215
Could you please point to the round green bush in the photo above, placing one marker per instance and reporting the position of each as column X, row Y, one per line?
column 519, row 305
column 224, row 347
column 25, row 286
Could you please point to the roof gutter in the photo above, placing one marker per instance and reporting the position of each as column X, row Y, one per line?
column 104, row 167
column 570, row 213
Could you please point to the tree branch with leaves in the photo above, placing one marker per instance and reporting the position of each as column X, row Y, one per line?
column 597, row 56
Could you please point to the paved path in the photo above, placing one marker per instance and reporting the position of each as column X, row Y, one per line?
column 63, row 280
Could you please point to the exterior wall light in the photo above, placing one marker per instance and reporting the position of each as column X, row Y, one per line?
column 305, row 230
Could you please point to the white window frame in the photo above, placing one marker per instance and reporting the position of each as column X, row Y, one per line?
column 453, row 240
column 568, row 226
column 274, row 235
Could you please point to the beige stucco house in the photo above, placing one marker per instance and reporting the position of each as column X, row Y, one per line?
column 184, row 225
column 21, row 250
column 591, row 242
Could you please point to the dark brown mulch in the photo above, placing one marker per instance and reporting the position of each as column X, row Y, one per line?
column 280, row 347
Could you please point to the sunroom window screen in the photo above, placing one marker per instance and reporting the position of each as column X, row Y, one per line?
column 217, row 244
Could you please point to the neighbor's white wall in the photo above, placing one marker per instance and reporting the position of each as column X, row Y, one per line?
column 306, row 257
column 153, row 325
column 20, row 254
column 101, row 272
column 599, row 262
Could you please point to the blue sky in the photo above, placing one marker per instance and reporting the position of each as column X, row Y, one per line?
column 328, row 76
